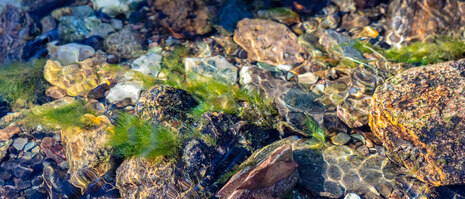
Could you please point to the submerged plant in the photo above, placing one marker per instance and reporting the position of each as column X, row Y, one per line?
column 315, row 130
column 213, row 95
column 134, row 136
column 443, row 49
column 56, row 117
column 22, row 82
column 421, row 53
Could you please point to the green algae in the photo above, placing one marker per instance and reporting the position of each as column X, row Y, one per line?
column 147, row 80
column 315, row 130
column 423, row 53
column 133, row 136
column 58, row 117
column 441, row 49
column 22, row 82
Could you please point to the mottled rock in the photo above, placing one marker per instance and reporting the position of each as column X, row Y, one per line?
column 408, row 20
column 53, row 149
column 87, row 151
column 55, row 92
column 268, row 41
column 165, row 103
column 419, row 115
column 184, row 17
column 125, row 43
column 79, row 78
column 215, row 67
column 16, row 28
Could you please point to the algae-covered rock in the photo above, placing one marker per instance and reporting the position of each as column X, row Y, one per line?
column 87, row 151
column 165, row 103
column 268, row 41
column 419, row 115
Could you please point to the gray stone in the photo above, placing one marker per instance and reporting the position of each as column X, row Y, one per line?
column 29, row 145
column 148, row 64
column 216, row 67
column 19, row 143
column 341, row 139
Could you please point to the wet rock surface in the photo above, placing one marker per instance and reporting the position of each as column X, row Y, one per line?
column 269, row 42
column 424, row 17
column 15, row 30
column 418, row 115
column 296, row 81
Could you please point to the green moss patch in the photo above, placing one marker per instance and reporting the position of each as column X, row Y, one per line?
column 64, row 116
column 21, row 82
column 134, row 136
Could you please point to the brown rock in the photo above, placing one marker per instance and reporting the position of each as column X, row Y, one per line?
column 268, row 41
column 184, row 17
column 8, row 132
column 385, row 190
column 53, row 149
column 420, row 117
column 87, row 151
column 279, row 169
column 55, row 92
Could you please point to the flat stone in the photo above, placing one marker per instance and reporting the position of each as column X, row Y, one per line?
column 352, row 196
column 385, row 190
column 22, row 184
column 28, row 146
column 22, row 172
column 216, row 67
column 8, row 132
column 308, row 78
column 268, row 41
column 341, row 139
column 19, row 143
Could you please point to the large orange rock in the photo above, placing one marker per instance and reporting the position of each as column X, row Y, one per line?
column 420, row 117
